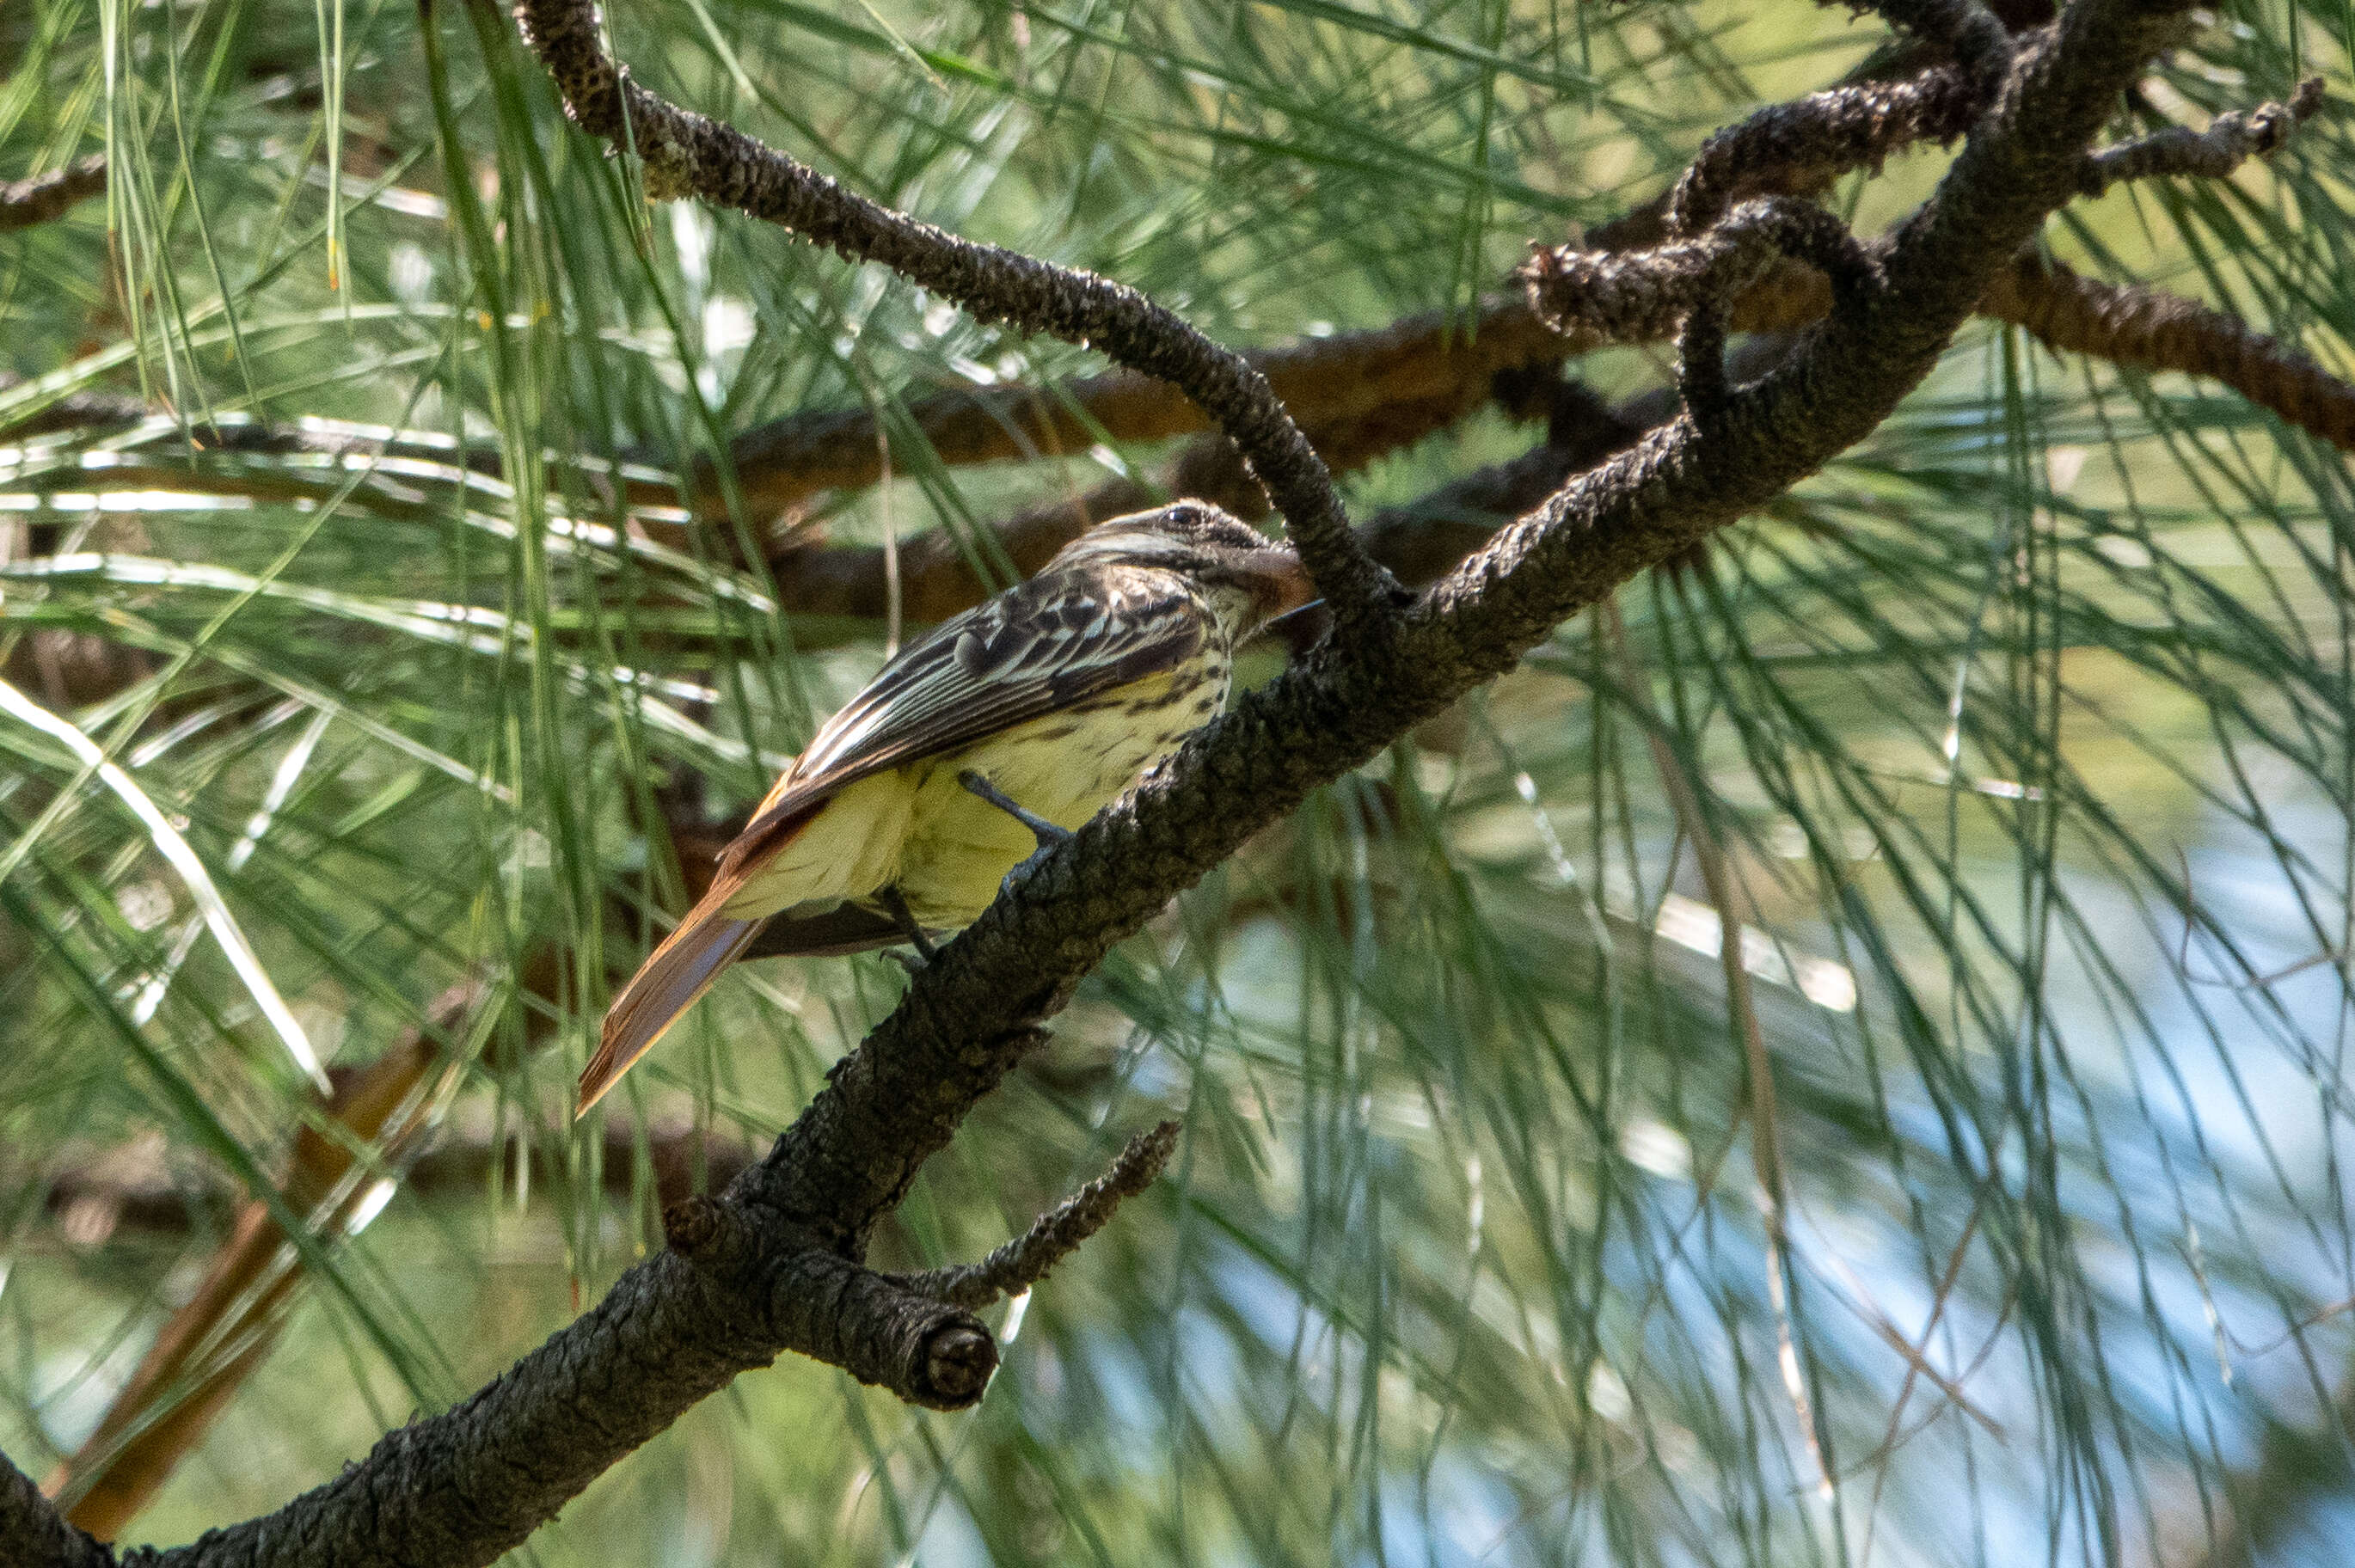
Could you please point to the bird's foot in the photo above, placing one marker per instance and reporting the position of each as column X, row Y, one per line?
column 1047, row 833
column 1023, row 868
column 895, row 904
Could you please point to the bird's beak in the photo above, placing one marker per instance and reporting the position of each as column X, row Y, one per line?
column 1288, row 602
column 1287, row 586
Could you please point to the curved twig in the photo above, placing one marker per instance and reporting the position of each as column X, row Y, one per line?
column 1792, row 148
column 1025, row 1260
column 688, row 154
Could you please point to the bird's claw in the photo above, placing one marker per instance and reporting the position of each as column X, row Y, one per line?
column 1013, row 879
column 895, row 904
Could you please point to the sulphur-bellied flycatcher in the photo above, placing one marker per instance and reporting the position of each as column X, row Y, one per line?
column 1019, row 719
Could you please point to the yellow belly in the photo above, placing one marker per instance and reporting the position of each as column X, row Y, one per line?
column 1065, row 767
column 946, row 848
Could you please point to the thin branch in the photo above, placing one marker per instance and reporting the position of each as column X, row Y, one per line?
column 1025, row 1261
column 44, row 197
column 687, row 153
column 2231, row 140
column 1796, row 148
column 2150, row 329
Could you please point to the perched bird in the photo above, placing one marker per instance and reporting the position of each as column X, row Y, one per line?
column 1002, row 728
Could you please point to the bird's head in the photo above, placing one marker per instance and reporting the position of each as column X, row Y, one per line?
column 1253, row 579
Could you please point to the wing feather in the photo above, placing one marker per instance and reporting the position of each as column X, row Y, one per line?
column 1050, row 643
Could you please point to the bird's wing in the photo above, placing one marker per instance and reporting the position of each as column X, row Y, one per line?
column 1036, row 649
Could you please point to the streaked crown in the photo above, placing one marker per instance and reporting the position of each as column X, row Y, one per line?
column 1252, row 576
column 1184, row 536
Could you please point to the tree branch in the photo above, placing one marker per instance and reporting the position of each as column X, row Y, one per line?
column 2230, row 141
column 34, row 1533
column 92, row 1198
column 1796, row 148
column 1326, row 383
column 2150, row 329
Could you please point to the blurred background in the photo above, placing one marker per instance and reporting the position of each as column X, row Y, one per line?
column 1841, row 1057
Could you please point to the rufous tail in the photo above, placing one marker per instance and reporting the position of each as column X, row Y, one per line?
column 666, row 986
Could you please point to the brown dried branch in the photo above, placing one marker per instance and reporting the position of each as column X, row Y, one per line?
column 1431, row 361
column 1025, row 1261
column 936, row 580
column 44, row 197
column 213, row 1341
column 2150, row 329
column 72, row 669
column 2231, row 140
column 75, row 411
column 687, row 154
column 1358, row 394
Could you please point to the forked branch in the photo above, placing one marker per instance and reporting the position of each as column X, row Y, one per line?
column 2231, row 140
